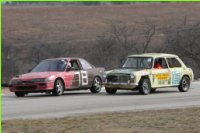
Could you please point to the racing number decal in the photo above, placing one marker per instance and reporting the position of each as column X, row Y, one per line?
column 77, row 79
column 84, row 76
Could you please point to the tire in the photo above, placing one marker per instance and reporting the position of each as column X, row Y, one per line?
column 111, row 90
column 19, row 94
column 58, row 87
column 96, row 85
column 184, row 84
column 144, row 86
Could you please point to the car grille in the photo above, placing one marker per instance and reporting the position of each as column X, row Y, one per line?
column 30, row 87
column 118, row 78
column 24, row 82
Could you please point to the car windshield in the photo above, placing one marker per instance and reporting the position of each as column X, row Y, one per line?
column 50, row 65
column 138, row 62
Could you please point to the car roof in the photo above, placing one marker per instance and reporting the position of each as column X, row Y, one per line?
column 154, row 55
column 64, row 58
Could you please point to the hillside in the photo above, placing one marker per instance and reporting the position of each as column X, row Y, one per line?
column 24, row 25
column 32, row 33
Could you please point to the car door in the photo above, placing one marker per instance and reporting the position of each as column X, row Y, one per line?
column 87, row 73
column 160, row 74
column 75, row 77
column 175, row 70
column 76, row 68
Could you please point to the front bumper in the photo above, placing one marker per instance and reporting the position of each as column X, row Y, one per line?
column 121, row 85
column 34, row 87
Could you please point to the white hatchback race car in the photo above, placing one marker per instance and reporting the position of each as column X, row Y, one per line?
column 147, row 72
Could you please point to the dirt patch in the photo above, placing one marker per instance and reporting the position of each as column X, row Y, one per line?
column 165, row 121
column 5, row 91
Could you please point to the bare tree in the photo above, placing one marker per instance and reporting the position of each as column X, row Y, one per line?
column 185, row 41
column 103, row 51
column 149, row 33
column 36, row 53
column 9, row 63
column 59, row 49
column 115, row 44
column 122, row 40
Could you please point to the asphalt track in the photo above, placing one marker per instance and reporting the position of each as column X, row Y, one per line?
column 77, row 103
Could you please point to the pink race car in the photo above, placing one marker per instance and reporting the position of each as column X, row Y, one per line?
column 57, row 75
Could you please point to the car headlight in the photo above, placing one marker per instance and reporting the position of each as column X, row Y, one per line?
column 132, row 76
column 14, row 81
column 41, row 80
column 104, row 75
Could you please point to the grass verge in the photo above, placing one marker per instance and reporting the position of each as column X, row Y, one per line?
column 185, row 120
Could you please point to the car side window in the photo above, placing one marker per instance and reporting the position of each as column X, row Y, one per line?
column 173, row 62
column 160, row 63
column 75, row 65
column 85, row 64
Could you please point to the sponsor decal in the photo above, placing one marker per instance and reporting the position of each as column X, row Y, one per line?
column 176, row 77
column 163, row 76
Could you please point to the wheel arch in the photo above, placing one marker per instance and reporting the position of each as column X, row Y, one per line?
column 61, row 80
column 145, row 77
column 93, row 87
column 95, row 77
column 186, row 76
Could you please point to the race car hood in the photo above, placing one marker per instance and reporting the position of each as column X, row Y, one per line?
column 35, row 75
column 128, row 71
column 122, row 71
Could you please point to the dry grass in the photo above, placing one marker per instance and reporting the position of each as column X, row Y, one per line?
column 165, row 121
column 78, row 27
column 26, row 25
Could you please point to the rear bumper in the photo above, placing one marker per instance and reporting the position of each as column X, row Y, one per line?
column 36, row 87
column 121, row 85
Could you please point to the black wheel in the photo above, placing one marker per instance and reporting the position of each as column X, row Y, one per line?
column 184, row 84
column 144, row 86
column 96, row 86
column 153, row 90
column 111, row 90
column 19, row 94
column 58, row 87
